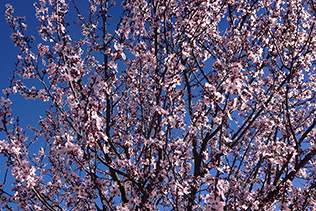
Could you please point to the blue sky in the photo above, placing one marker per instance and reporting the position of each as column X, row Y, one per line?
column 28, row 111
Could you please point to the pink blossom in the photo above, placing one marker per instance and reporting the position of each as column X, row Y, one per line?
column 167, row 105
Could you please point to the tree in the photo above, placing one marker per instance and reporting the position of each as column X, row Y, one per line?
column 187, row 105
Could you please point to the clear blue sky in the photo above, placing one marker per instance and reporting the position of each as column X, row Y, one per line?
column 28, row 111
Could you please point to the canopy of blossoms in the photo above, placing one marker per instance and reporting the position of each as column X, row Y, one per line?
column 186, row 105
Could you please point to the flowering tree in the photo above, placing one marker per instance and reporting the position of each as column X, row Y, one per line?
column 187, row 105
